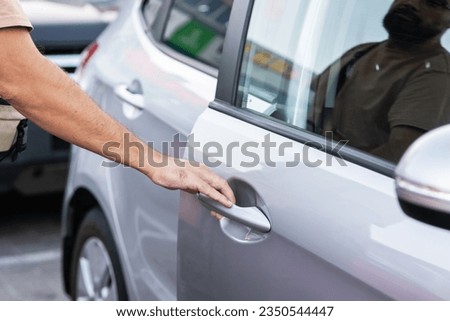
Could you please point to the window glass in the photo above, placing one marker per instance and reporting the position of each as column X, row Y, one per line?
column 348, row 68
column 196, row 28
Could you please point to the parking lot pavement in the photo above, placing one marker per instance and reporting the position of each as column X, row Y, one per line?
column 30, row 248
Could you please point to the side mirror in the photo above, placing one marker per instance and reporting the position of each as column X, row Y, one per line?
column 422, row 178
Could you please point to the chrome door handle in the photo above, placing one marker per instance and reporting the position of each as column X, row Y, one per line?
column 249, row 216
column 131, row 94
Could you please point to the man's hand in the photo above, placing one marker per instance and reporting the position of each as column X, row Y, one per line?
column 193, row 178
column 400, row 139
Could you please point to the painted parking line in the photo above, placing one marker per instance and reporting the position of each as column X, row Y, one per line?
column 29, row 258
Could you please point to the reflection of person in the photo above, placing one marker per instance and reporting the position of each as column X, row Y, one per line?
column 382, row 96
column 43, row 93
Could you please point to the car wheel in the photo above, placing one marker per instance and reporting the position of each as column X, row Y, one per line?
column 96, row 274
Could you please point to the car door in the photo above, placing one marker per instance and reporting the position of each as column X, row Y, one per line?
column 157, row 90
column 314, row 219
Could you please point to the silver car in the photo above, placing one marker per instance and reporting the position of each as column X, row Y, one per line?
column 229, row 84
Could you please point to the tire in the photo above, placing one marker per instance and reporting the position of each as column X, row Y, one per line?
column 96, row 273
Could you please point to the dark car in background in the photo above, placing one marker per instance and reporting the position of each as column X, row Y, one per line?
column 61, row 31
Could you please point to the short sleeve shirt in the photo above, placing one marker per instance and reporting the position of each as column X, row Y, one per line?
column 12, row 15
column 387, row 88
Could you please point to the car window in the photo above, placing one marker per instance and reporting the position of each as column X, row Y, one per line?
column 194, row 28
column 326, row 66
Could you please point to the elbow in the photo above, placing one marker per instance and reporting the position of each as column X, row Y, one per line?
column 9, row 91
column 19, row 85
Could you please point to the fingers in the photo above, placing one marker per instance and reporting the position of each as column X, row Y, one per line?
column 194, row 179
column 214, row 194
column 220, row 185
column 216, row 215
column 226, row 190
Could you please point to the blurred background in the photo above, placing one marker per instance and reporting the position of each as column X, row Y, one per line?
column 32, row 187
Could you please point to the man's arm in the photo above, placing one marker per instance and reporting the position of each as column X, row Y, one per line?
column 422, row 105
column 400, row 139
column 43, row 93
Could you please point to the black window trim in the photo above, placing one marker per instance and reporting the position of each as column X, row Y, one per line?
column 227, row 89
column 230, row 63
column 156, row 39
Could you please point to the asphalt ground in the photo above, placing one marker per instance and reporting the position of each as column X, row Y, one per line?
column 30, row 248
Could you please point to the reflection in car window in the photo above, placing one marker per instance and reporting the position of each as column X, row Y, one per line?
column 322, row 65
column 196, row 28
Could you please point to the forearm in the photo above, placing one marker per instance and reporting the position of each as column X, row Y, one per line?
column 400, row 139
column 53, row 101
